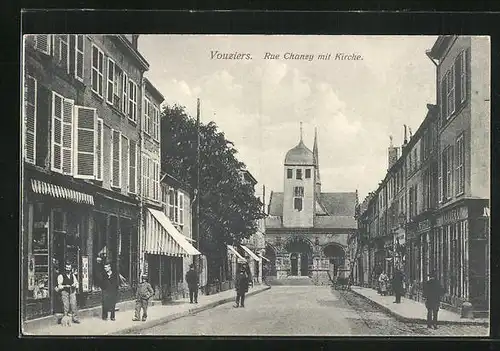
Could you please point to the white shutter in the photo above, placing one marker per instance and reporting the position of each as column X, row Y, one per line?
column 151, row 178
column 181, row 208
column 125, row 93
column 99, row 152
column 67, row 136
column 132, row 177
column 42, row 43
column 86, row 140
column 125, row 162
column 116, row 161
column 56, row 142
column 79, row 56
column 30, row 103
column 110, row 81
column 63, row 50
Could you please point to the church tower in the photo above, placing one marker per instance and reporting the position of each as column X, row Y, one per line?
column 299, row 186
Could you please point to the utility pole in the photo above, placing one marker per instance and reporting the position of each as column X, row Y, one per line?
column 197, row 183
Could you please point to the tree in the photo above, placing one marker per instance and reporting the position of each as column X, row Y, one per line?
column 228, row 208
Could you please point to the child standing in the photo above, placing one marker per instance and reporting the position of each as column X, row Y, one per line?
column 143, row 294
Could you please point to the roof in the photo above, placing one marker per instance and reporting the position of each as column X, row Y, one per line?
column 299, row 155
column 335, row 204
column 344, row 222
column 153, row 91
column 440, row 46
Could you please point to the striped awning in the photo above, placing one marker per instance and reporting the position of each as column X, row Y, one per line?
column 235, row 252
column 162, row 238
column 252, row 255
column 60, row 192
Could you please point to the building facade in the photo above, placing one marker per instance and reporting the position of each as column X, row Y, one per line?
column 81, row 111
column 307, row 230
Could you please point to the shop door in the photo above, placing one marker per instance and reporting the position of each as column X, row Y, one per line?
column 304, row 264
column 294, row 264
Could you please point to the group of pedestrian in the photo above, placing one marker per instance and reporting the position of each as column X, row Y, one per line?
column 432, row 292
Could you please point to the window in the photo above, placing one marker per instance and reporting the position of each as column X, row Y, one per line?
column 299, row 174
column 450, row 93
column 462, row 64
column 289, row 173
column 181, row 208
column 125, row 93
column 460, row 175
column 132, row 167
column 447, row 166
column 111, row 81
column 308, row 173
column 43, row 43
column 443, row 101
column 63, row 54
column 132, row 108
column 171, row 204
column 156, row 124
column 79, row 56
column 298, row 193
column 97, row 77
column 147, row 116
column 30, row 103
column 116, row 158
column 62, row 134
column 155, row 180
column 99, row 159
column 125, row 161
column 176, row 207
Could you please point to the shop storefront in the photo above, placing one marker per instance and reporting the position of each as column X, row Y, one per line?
column 254, row 263
column 166, row 250
column 462, row 238
column 56, row 229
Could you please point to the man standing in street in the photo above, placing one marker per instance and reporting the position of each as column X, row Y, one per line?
column 241, row 288
column 144, row 293
column 397, row 285
column 67, row 285
column 432, row 294
column 109, row 287
column 192, row 282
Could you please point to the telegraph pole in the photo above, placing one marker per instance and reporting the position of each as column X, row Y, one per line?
column 197, row 182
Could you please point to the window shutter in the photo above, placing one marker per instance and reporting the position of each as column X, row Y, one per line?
column 79, row 56
column 63, row 52
column 86, row 127
column 125, row 162
column 56, row 150
column 125, row 94
column 67, row 136
column 458, row 91
column 110, row 81
column 116, row 158
column 181, row 208
column 132, row 167
column 30, row 106
column 440, row 179
column 444, row 101
column 99, row 153
column 151, row 178
column 42, row 43
column 144, row 167
column 467, row 73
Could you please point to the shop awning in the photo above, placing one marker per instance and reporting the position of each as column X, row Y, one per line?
column 265, row 258
column 162, row 238
column 236, row 253
column 60, row 192
column 252, row 255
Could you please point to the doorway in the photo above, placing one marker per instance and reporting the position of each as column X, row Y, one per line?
column 304, row 264
column 294, row 269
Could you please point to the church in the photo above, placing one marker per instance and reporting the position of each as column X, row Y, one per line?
column 307, row 230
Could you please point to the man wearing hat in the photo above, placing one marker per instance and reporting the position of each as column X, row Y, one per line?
column 432, row 294
column 143, row 294
column 192, row 281
column 109, row 287
column 241, row 287
column 67, row 285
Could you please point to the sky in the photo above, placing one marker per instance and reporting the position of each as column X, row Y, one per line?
column 356, row 105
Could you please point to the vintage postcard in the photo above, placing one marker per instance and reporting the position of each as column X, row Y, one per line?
column 255, row 185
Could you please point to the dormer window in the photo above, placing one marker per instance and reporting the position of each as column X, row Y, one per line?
column 299, row 174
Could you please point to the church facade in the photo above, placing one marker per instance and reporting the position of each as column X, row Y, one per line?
column 307, row 229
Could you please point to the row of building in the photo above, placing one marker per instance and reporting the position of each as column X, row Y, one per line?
column 92, row 178
column 431, row 211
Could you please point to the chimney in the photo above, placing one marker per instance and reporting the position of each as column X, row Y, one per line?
column 135, row 40
column 393, row 154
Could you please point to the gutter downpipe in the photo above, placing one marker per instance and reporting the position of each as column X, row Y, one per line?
column 142, row 231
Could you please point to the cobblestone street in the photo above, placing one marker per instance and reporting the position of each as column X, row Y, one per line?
column 303, row 310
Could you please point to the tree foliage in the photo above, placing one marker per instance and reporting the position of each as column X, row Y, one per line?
column 228, row 207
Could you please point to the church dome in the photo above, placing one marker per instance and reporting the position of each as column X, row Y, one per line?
column 299, row 155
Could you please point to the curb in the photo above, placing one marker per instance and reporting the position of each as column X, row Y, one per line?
column 172, row 317
column 418, row 320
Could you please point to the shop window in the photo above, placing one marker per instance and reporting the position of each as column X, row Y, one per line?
column 125, row 250
column 99, row 247
column 38, row 252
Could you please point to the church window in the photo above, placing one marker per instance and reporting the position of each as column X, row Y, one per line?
column 299, row 174
column 298, row 197
column 308, row 173
column 289, row 173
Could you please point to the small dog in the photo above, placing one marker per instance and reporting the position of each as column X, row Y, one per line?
column 66, row 321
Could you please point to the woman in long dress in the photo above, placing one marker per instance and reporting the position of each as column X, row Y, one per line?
column 383, row 281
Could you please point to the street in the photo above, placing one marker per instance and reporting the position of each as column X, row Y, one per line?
column 302, row 310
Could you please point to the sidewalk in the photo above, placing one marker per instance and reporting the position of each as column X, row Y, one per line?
column 157, row 314
column 412, row 311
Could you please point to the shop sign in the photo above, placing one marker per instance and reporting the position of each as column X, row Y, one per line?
column 85, row 273
column 453, row 215
column 423, row 225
